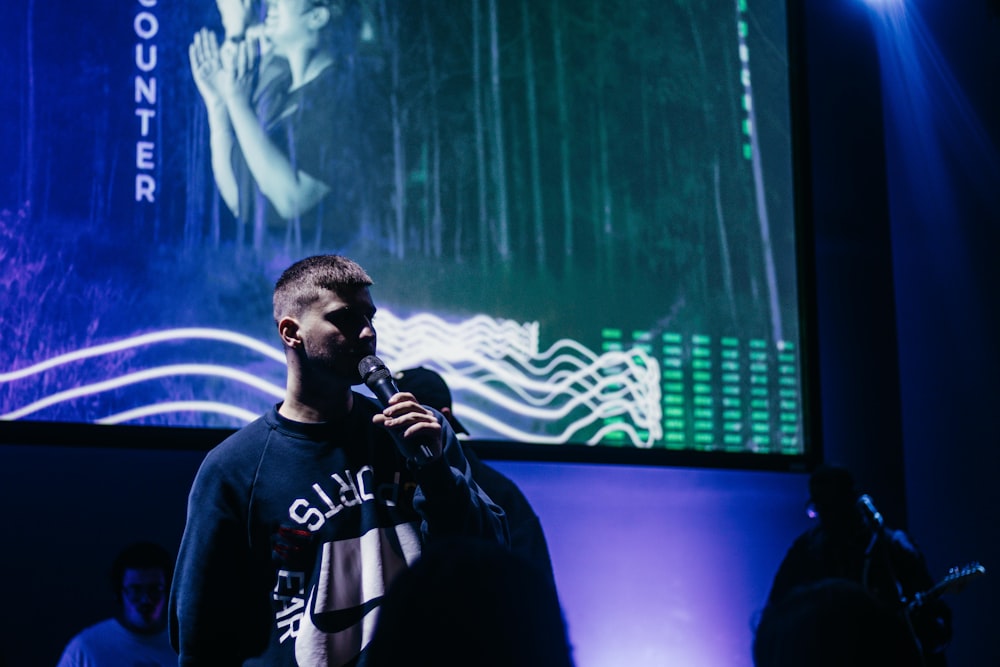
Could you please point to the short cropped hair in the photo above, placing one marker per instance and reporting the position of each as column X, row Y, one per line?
column 304, row 282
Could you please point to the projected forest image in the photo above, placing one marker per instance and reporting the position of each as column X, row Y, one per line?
column 580, row 213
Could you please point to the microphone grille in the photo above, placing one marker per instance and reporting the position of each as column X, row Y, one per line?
column 369, row 365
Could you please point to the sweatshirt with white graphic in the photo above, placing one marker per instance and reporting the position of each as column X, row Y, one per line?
column 295, row 531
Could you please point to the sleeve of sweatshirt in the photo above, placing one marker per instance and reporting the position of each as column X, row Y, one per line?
column 218, row 615
column 450, row 502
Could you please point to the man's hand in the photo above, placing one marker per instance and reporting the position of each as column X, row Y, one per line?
column 206, row 65
column 417, row 429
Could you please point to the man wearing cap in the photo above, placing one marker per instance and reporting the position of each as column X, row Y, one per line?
column 526, row 534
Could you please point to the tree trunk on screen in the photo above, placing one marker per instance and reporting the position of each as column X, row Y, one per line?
column 398, row 241
column 499, row 158
column 28, row 135
column 604, row 220
column 562, row 105
column 434, row 177
column 538, row 223
column 477, row 106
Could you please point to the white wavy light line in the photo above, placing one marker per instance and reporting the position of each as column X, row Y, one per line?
column 471, row 416
column 497, row 360
column 142, row 376
column 146, row 339
column 180, row 406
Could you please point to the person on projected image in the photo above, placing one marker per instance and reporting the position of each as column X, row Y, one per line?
column 137, row 635
column 526, row 535
column 298, row 522
column 281, row 136
column 851, row 541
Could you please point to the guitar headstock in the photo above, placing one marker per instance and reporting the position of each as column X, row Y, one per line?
column 958, row 577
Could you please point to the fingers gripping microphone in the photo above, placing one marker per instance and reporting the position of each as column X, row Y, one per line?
column 377, row 378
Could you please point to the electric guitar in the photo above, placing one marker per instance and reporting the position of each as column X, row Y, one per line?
column 956, row 579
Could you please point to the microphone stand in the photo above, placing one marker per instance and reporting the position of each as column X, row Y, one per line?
column 873, row 520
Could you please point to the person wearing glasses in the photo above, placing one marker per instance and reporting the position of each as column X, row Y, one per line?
column 137, row 634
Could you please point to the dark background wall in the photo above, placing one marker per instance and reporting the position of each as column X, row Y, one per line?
column 667, row 566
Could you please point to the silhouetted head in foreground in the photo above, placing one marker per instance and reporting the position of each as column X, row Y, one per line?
column 471, row 602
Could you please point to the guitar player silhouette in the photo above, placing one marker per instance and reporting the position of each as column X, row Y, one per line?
column 851, row 541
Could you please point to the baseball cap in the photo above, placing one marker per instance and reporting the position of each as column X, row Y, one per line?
column 430, row 389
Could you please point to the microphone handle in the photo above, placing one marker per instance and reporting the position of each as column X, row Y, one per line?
column 384, row 388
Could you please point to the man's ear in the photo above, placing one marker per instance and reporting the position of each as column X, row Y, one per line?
column 288, row 329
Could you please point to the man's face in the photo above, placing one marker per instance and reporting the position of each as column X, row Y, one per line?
column 285, row 23
column 337, row 333
column 144, row 595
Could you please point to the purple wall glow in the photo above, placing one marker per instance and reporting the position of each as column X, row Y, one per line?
column 662, row 566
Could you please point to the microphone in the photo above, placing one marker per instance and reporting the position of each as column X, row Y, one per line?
column 871, row 515
column 377, row 378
